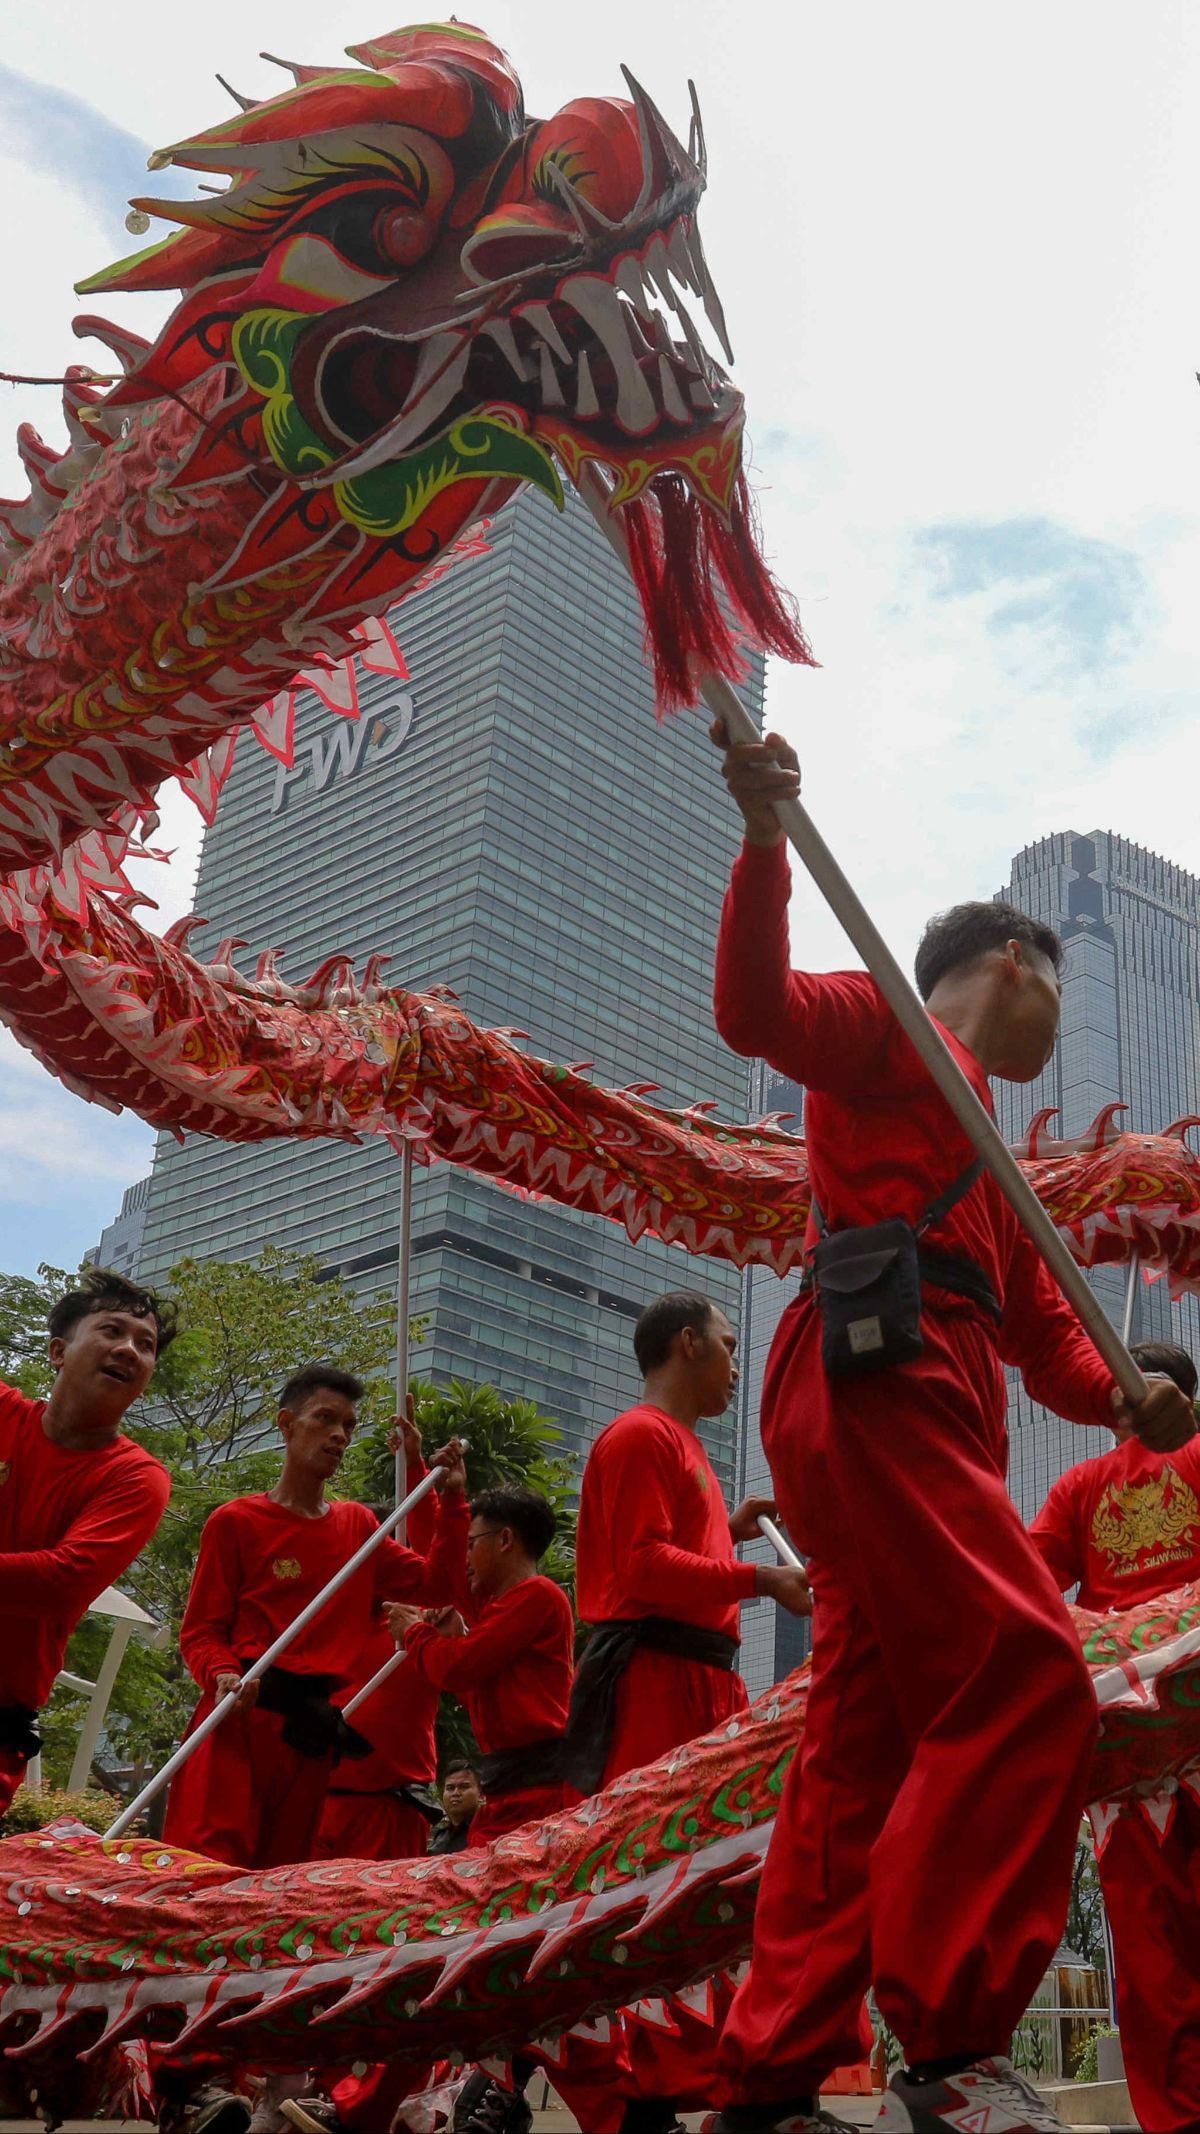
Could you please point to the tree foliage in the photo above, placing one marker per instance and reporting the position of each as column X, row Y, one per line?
column 1085, row 1913
column 25, row 1304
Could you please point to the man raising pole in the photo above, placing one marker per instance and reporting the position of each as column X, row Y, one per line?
column 927, row 1830
column 253, row 1792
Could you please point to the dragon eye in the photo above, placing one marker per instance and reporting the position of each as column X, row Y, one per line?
column 403, row 235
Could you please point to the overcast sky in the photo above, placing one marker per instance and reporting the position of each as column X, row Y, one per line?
column 957, row 247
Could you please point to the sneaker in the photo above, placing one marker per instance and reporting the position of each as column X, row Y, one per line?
column 205, row 2111
column 989, row 2097
column 788, row 2115
column 312, row 2115
column 485, row 2107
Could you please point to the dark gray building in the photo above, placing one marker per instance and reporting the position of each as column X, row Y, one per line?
column 512, row 823
column 1130, row 1032
column 772, row 1641
column 122, row 1241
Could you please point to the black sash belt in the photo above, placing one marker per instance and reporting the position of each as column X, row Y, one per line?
column 19, row 1730
column 609, row 1650
column 535, row 1763
column 312, row 1725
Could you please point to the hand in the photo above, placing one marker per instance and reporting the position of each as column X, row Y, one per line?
column 405, row 1434
column 447, row 1622
column 743, row 1524
column 245, row 1692
column 1164, row 1421
column 784, row 1583
column 758, row 773
column 450, row 1459
column 400, row 1619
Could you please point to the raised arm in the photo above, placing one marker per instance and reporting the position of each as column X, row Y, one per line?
column 102, row 1543
column 824, row 1030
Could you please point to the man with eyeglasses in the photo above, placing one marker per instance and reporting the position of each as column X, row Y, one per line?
column 511, row 1665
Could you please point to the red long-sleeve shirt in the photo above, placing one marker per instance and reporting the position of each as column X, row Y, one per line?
column 654, row 1529
column 260, row 1564
column 400, row 1721
column 512, row 1670
column 1125, row 1526
column 71, row 1521
column 881, row 1138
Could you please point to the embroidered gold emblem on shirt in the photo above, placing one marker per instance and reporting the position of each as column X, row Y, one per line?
column 1142, row 1516
column 286, row 1567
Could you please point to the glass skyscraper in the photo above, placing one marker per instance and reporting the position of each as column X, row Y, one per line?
column 1130, row 1031
column 513, row 823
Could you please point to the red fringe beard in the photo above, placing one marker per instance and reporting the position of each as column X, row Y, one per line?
column 705, row 589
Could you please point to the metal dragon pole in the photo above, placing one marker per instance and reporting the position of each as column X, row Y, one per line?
column 221, row 1711
column 403, row 1284
column 723, row 701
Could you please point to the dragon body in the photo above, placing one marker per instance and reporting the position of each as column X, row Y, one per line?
column 631, row 1901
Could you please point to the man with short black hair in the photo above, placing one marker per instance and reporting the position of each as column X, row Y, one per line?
column 253, row 1792
column 655, row 1569
column 462, row 1798
column 78, row 1499
column 1125, row 1527
column 926, row 1834
column 657, row 1578
column 510, row 1664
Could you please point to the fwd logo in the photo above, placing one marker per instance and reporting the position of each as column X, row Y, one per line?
column 342, row 750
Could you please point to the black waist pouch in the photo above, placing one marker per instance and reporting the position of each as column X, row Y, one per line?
column 868, row 1285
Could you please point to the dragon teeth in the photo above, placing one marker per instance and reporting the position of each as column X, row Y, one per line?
column 541, row 318
column 672, row 398
column 586, row 401
column 548, row 385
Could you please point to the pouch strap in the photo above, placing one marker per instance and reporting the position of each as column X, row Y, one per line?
column 937, row 1210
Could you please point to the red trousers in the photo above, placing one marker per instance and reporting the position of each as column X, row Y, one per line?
column 1152, row 1893
column 927, row 1829
column 245, row 1797
column 369, row 1826
column 663, row 1701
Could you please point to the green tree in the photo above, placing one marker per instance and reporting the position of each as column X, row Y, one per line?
column 24, row 1308
column 1085, row 1913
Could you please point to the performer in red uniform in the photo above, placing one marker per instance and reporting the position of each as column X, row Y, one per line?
column 657, row 1577
column 1124, row 1528
column 927, row 1831
column 511, row 1665
column 77, row 1499
column 253, row 1792
column 371, row 1810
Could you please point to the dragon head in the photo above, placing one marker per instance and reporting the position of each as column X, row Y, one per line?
column 414, row 287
